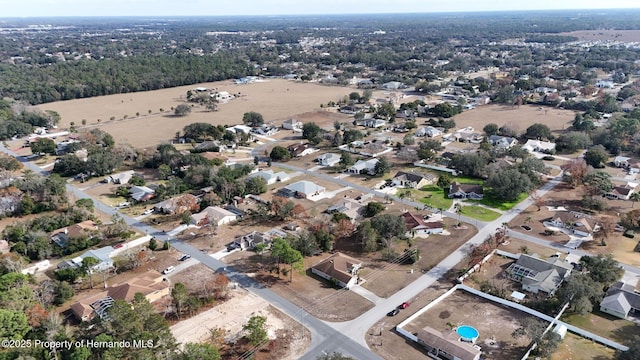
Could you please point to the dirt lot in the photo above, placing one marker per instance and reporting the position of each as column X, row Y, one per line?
column 275, row 99
column 518, row 118
column 494, row 322
column 616, row 35
column 233, row 313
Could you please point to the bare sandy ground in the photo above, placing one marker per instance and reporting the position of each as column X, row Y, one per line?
column 275, row 99
column 518, row 118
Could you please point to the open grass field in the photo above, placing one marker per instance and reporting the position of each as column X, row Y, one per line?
column 604, row 325
column 275, row 99
column 517, row 118
column 601, row 34
column 492, row 201
column 480, row 213
column 435, row 197
column 574, row 347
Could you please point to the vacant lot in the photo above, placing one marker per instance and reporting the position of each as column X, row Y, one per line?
column 275, row 99
column 517, row 118
column 616, row 35
column 574, row 347
column 604, row 325
column 494, row 322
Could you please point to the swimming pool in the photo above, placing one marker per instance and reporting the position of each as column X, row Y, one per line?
column 468, row 333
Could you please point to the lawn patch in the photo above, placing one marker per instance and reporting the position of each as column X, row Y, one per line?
column 605, row 325
column 492, row 201
column 480, row 213
column 436, row 197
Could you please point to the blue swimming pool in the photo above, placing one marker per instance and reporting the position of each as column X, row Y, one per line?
column 468, row 333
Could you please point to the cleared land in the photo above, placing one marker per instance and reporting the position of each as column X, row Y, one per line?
column 517, row 118
column 574, row 347
column 275, row 99
column 616, row 35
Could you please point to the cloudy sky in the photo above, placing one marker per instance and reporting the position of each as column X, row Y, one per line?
column 28, row 8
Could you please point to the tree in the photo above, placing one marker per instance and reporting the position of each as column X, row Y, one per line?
column 539, row 132
column 195, row 351
column 256, row 185
column 409, row 139
column 598, row 182
column 312, row 132
column 153, row 244
column 490, row 129
column 634, row 197
column 581, row 292
column 13, row 324
column 444, row 110
column 284, row 253
column 574, row 172
column 256, row 330
column 373, row 208
column 346, row 159
column 573, row 141
column 367, row 237
column 253, row 119
column 603, row 269
column 62, row 292
column 596, row 156
column 389, row 226
column 87, row 265
column 279, row 153
column 508, row 184
column 43, row 146
column 179, row 297
column 470, row 164
column 182, row 110
column 164, row 171
column 444, row 181
column 382, row 166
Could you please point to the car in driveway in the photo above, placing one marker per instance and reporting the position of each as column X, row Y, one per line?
column 393, row 312
column 148, row 212
column 185, row 257
column 404, row 305
column 169, row 270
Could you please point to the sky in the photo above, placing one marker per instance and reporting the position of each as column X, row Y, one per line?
column 46, row 8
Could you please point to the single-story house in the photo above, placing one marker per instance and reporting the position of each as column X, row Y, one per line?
column 249, row 241
column 304, row 189
column 446, row 345
column 265, row 130
column 292, row 124
column 270, row 177
column 416, row 224
column 620, row 192
column 429, row 131
column 374, row 123
column 151, row 284
column 539, row 146
column 502, row 142
column 119, row 178
column 177, row 205
column 213, row 215
column 61, row 236
column 466, row 191
column 141, row 193
column 347, row 206
column 329, row 159
column 621, row 161
column 578, row 223
column 364, row 167
column 299, row 150
column 412, row 180
column 340, row 268
column 621, row 300
column 539, row 275
column 103, row 255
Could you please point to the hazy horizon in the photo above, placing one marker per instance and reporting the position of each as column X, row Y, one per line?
column 194, row 8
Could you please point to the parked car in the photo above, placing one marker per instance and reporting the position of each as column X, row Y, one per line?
column 393, row 312
column 168, row 270
column 148, row 211
column 404, row 305
column 185, row 257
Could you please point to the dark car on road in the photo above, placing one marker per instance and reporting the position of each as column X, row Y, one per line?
column 185, row 257
column 393, row 312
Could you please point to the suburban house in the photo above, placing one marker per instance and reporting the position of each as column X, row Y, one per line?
column 270, row 177
column 347, row 206
column 417, row 225
column 578, row 223
column 466, row 191
column 539, row 146
column 10, row 198
column 103, row 255
column 621, row 300
column 374, row 123
column 429, row 131
column 141, row 193
column 150, row 284
column 119, row 178
column 249, row 241
column 621, row 192
column 178, row 205
column 339, row 268
column 292, row 124
column 364, row 167
column 539, row 275
column 213, row 215
column 502, row 142
column 61, row 236
column 299, row 150
column 446, row 345
column 303, row 189
column 265, row 130
column 621, row 161
column 329, row 159
column 412, row 180
column 467, row 134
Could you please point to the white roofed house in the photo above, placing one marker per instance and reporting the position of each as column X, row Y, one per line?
column 213, row 215
column 502, row 142
column 303, row 189
column 539, row 146
column 621, row 161
column 329, row 159
column 270, row 177
column 119, row 178
column 292, row 124
column 577, row 223
column 429, row 131
column 364, row 167
column 347, row 206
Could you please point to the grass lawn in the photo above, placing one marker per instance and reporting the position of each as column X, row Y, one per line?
column 436, row 197
column 496, row 203
column 480, row 213
column 605, row 325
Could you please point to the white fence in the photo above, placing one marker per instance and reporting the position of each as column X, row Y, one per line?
column 37, row 267
column 130, row 244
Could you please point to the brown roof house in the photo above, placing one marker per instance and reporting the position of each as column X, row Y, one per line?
column 466, row 191
column 577, row 223
column 151, row 284
column 178, row 205
column 213, row 215
column 417, row 225
column 339, row 268
column 446, row 345
column 86, row 228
